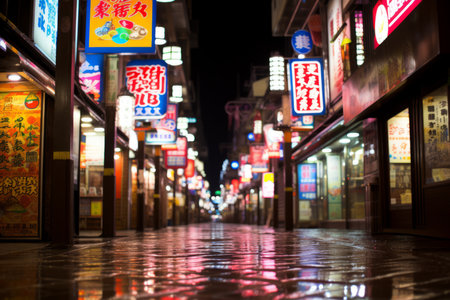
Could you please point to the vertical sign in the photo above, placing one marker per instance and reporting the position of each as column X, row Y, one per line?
column 45, row 26
column 258, row 159
column 166, row 128
column 268, row 185
column 399, row 139
column 273, row 138
column 307, row 89
column 307, row 177
column 20, row 147
column 335, row 23
column 388, row 14
column 334, row 187
column 147, row 80
column 125, row 26
column 90, row 74
column 175, row 159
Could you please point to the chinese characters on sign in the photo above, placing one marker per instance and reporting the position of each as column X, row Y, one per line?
column 388, row 14
column 306, row 84
column 20, row 137
column 335, row 22
column 307, row 174
column 268, row 186
column 147, row 80
column 166, row 128
column 120, row 26
column 45, row 26
column 258, row 158
column 399, row 141
column 302, row 42
column 91, row 75
column 175, row 159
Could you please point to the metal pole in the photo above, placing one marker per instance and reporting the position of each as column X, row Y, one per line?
column 174, row 204
column 276, row 191
column 109, row 176
column 288, row 190
column 156, row 195
column 140, row 190
column 62, row 211
column 186, row 203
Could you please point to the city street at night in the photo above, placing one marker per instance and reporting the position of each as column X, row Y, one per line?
column 224, row 261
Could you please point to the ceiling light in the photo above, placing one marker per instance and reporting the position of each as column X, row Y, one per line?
column 99, row 129
column 86, row 119
column 172, row 55
column 352, row 134
column 86, row 125
column 344, row 141
column 14, row 77
column 326, row 150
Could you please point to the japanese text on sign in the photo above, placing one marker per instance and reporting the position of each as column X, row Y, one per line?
column 307, row 174
column 307, row 87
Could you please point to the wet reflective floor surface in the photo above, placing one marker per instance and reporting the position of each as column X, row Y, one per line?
column 224, row 261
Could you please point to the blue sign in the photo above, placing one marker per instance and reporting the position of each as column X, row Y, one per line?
column 166, row 128
column 234, row 165
column 90, row 75
column 147, row 80
column 307, row 177
column 302, row 42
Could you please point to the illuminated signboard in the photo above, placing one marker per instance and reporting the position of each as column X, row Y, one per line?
column 302, row 42
column 20, row 162
column 303, row 123
column 388, row 14
column 45, row 27
column 147, row 80
column 307, row 87
column 307, row 176
column 258, row 159
column 166, row 128
column 126, row 26
column 91, row 75
column 273, row 140
column 175, row 159
column 268, row 187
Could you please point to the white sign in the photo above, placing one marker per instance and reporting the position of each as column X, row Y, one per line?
column 45, row 27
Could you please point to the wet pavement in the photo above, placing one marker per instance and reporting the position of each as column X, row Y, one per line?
column 224, row 261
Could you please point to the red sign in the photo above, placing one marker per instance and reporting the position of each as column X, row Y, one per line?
column 258, row 159
column 190, row 169
column 273, row 139
column 175, row 159
column 306, row 84
column 388, row 14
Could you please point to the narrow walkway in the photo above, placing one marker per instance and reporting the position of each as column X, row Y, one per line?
column 223, row 261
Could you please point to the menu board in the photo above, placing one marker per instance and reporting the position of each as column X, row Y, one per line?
column 20, row 146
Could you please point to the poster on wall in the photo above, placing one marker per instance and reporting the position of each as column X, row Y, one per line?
column 307, row 177
column 398, row 139
column 334, row 23
column 334, row 187
column 268, row 185
column 45, row 27
column 20, row 156
column 90, row 75
column 120, row 26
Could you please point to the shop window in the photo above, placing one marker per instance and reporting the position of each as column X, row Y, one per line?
column 436, row 136
column 355, row 176
column 399, row 159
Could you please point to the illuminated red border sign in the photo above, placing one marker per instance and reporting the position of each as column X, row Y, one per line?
column 175, row 159
column 388, row 14
column 306, row 84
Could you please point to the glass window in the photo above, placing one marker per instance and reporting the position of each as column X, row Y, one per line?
column 436, row 138
column 355, row 175
column 399, row 159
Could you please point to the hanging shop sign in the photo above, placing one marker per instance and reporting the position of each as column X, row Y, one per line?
column 20, row 157
column 166, row 129
column 190, row 169
column 268, row 186
column 147, row 80
column 302, row 123
column 258, row 159
column 335, row 23
column 307, row 178
column 388, row 14
column 273, row 139
column 175, row 159
column 302, row 42
column 126, row 26
column 45, row 27
column 90, row 75
column 307, row 87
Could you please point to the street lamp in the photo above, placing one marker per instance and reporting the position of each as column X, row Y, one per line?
column 160, row 35
column 172, row 55
column 125, row 110
column 276, row 70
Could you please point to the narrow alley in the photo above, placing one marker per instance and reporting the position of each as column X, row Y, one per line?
column 225, row 261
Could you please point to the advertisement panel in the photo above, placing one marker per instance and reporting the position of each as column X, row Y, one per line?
column 20, row 156
column 388, row 14
column 307, row 177
column 268, row 185
column 334, row 187
column 90, row 75
column 258, row 159
column 273, row 138
column 166, row 128
column 147, row 80
column 126, row 26
column 302, row 123
column 334, row 23
column 45, row 27
column 399, row 139
column 306, row 87
column 175, row 159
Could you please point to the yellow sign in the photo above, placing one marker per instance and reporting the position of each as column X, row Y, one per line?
column 114, row 26
column 20, row 140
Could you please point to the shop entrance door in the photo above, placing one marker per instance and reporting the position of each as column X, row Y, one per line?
column 400, row 196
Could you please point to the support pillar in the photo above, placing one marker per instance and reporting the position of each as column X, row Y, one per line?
column 156, row 194
column 62, row 201
column 276, row 191
column 288, row 190
column 174, row 204
column 258, row 213
column 140, row 219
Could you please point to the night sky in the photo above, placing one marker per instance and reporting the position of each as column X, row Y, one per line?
column 233, row 36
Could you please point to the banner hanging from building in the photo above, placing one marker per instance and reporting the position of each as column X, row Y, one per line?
column 147, row 80
column 90, row 75
column 307, row 87
column 126, row 26
column 20, row 156
column 166, row 128
column 176, row 159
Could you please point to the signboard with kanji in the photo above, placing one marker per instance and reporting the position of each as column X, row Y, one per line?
column 45, row 27
column 125, row 26
column 90, row 75
column 302, row 42
column 175, row 159
column 20, row 161
column 306, row 87
column 166, row 128
column 259, row 158
column 147, row 80
column 268, row 186
column 307, row 176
